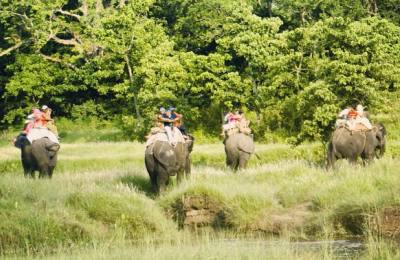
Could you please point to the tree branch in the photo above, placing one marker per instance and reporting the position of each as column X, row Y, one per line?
column 121, row 3
column 135, row 101
column 78, row 17
column 73, row 42
column 7, row 51
column 53, row 59
column 84, row 8
column 23, row 16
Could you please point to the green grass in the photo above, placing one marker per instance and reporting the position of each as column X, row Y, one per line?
column 99, row 203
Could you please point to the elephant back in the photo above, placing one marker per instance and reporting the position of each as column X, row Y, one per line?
column 349, row 143
column 165, row 155
column 243, row 142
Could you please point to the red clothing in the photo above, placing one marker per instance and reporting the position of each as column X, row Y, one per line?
column 28, row 127
column 40, row 118
column 352, row 114
column 234, row 118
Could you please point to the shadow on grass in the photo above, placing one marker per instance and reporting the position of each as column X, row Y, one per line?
column 140, row 183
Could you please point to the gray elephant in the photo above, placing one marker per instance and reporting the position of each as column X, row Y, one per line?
column 39, row 156
column 164, row 160
column 238, row 149
column 352, row 144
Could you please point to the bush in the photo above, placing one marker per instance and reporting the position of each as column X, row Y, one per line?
column 131, row 216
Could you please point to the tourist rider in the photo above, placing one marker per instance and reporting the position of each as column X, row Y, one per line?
column 167, row 121
column 39, row 118
column 361, row 117
column 49, row 122
column 178, row 122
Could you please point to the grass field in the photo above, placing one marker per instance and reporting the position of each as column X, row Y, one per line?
column 99, row 204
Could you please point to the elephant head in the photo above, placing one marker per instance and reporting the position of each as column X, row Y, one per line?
column 190, row 143
column 380, row 134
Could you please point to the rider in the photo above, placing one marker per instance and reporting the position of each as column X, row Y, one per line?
column 361, row 117
column 39, row 118
column 235, row 120
column 49, row 122
column 167, row 120
column 29, row 123
column 352, row 117
column 178, row 121
column 243, row 123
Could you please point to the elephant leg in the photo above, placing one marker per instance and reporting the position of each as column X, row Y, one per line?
column 353, row 160
column 235, row 165
column 366, row 159
column 188, row 168
column 162, row 181
column 162, row 178
column 151, row 169
column 243, row 159
column 29, row 173
column 28, row 170
column 331, row 157
column 232, row 161
column 44, row 171
column 180, row 176
column 51, row 170
column 153, row 181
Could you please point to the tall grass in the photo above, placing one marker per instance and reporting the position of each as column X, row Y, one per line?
column 100, row 198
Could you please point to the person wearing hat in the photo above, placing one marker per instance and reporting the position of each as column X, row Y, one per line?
column 167, row 121
column 28, row 124
column 178, row 123
column 48, row 121
column 39, row 118
column 361, row 117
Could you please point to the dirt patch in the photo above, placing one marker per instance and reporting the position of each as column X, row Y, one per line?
column 387, row 223
column 201, row 211
column 276, row 221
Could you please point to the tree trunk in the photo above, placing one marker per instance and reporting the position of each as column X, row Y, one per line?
column 269, row 5
column 135, row 102
column 84, row 8
column 99, row 6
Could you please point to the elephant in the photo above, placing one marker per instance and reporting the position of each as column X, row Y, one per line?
column 39, row 156
column 367, row 144
column 238, row 149
column 163, row 160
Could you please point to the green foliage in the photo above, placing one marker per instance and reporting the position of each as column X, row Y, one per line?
column 293, row 64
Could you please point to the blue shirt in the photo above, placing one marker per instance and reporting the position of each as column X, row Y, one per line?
column 173, row 116
column 166, row 117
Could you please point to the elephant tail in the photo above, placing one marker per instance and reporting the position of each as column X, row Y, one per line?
column 257, row 156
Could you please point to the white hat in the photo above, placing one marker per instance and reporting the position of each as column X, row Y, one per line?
column 44, row 107
column 359, row 107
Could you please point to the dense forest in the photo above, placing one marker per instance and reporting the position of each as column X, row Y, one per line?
column 290, row 64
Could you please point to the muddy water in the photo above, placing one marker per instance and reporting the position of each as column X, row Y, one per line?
column 337, row 248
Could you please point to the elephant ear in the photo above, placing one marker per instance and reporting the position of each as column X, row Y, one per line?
column 164, row 154
column 246, row 144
